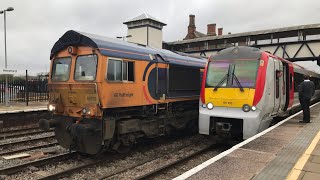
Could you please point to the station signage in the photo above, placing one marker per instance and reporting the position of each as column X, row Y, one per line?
column 9, row 71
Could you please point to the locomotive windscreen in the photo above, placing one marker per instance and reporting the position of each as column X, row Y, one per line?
column 184, row 81
column 245, row 72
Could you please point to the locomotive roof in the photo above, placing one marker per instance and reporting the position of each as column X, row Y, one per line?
column 121, row 49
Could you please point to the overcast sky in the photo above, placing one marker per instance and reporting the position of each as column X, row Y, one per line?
column 35, row 25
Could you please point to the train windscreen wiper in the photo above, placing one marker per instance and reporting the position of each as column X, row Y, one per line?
column 221, row 82
column 238, row 82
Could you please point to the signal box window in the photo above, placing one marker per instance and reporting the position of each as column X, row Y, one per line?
column 120, row 70
column 61, row 69
column 86, row 68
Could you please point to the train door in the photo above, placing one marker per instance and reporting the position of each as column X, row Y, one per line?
column 161, row 79
column 278, row 81
column 270, row 86
column 283, row 87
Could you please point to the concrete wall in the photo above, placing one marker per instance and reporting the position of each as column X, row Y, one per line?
column 140, row 36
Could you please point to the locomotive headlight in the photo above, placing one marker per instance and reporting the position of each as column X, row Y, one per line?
column 51, row 107
column 246, row 108
column 253, row 108
column 210, row 106
column 86, row 111
column 204, row 105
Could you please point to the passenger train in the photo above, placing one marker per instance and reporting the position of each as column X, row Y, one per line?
column 244, row 88
column 106, row 93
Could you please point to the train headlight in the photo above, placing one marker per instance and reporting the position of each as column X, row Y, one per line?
column 204, row 105
column 51, row 107
column 86, row 111
column 246, row 108
column 210, row 106
column 253, row 108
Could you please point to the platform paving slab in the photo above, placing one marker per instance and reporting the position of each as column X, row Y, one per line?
column 272, row 156
column 283, row 163
column 22, row 107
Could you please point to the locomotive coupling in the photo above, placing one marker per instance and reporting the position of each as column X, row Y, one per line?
column 46, row 124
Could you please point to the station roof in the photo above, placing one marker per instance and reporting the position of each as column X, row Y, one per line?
column 122, row 49
column 310, row 29
column 144, row 16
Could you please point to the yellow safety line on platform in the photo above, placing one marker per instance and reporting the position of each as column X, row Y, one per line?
column 295, row 172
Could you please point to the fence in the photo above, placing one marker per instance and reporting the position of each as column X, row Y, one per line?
column 24, row 89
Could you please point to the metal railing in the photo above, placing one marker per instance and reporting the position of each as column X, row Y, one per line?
column 25, row 89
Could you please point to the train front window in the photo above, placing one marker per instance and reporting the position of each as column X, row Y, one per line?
column 61, row 69
column 224, row 73
column 86, row 68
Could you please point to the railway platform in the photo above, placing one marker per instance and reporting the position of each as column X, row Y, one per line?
column 19, row 114
column 287, row 150
column 22, row 107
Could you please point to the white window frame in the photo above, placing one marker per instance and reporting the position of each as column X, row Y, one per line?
column 122, row 74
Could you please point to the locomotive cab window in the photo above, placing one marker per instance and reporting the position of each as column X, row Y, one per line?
column 120, row 70
column 86, row 68
column 61, row 69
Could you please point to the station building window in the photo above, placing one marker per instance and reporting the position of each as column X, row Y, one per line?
column 119, row 70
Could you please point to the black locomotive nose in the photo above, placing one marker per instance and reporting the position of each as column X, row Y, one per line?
column 46, row 124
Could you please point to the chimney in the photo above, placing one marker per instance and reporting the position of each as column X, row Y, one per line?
column 191, row 20
column 220, row 31
column 211, row 30
column 192, row 26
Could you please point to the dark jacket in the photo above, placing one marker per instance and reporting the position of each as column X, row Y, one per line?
column 306, row 89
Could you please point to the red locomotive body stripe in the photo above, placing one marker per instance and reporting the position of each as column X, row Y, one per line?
column 146, row 95
column 203, row 87
column 261, row 79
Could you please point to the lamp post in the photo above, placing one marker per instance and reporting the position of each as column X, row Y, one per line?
column 5, row 52
column 123, row 37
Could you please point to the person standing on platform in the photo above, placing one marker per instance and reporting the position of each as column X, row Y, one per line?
column 306, row 91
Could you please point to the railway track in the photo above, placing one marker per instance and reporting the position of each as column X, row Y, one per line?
column 37, row 163
column 8, row 144
column 18, row 130
column 28, row 149
column 71, row 166
column 171, row 165
column 85, row 163
column 158, row 169
column 91, row 163
column 68, row 172
column 26, row 132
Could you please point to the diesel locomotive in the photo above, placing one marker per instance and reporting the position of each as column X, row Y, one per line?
column 244, row 88
column 105, row 93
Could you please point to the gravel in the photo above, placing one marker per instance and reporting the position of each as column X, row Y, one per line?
column 4, row 163
column 160, row 162
column 26, row 137
column 139, row 155
column 19, row 127
column 169, row 149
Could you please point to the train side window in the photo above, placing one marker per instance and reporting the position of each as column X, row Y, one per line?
column 130, row 71
column 127, row 69
column 114, row 72
column 120, row 70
